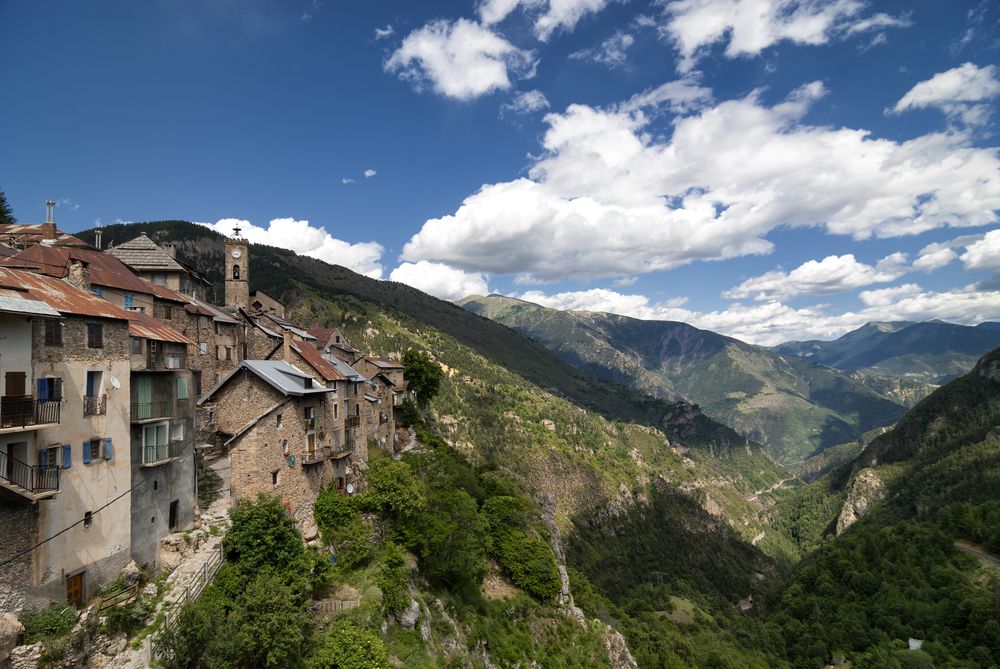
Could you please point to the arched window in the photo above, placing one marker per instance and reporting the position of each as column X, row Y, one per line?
column 236, row 271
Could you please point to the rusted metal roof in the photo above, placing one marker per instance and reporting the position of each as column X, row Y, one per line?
column 142, row 325
column 59, row 295
column 318, row 362
column 164, row 293
column 386, row 363
column 25, row 234
column 196, row 306
column 104, row 270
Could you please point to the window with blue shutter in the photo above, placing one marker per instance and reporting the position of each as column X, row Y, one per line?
column 43, row 389
column 108, row 448
column 67, row 456
column 129, row 300
column 86, row 452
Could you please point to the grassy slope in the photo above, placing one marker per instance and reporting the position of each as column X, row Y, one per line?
column 796, row 408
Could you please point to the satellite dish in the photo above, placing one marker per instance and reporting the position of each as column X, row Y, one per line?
column 350, row 488
column 115, row 383
column 347, row 469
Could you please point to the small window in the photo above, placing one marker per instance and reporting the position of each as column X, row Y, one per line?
column 129, row 300
column 338, row 339
column 167, row 312
column 274, row 477
column 154, row 346
column 95, row 335
column 203, row 348
column 307, row 383
column 49, row 389
column 229, row 353
column 97, row 290
column 50, row 457
column 172, row 516
column 135, row 345
column 182, row 388
column 93, row 450
column 335, row 411
column 88, row 518
column 277, row 420
column 53, row 333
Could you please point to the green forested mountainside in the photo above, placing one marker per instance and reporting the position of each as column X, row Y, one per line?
column 933, row 352
column 795, row 408
column 278, row 272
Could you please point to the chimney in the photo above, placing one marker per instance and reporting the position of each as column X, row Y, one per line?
column 78, row 274
column 286, row 351
column 97, row 238
column 171, row 249
column 49, row 227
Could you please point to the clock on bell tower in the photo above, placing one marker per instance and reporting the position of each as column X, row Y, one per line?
column 237, row 264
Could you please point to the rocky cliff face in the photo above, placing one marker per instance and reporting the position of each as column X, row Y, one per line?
column 865, row 491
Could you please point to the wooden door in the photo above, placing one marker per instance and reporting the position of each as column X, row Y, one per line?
column 15, row 384
column 74, row 589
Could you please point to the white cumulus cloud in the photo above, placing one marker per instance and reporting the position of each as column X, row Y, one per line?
column 459, row 59
column 384, row 33
column 440, row 280
column 549, row 15
column 526, row 102
column 832, row 274
column 750, row 26
column 963, row 93
column 728, row 175
column 308, row 240
column 369, row 173
column 984, row 253
column 612, row 52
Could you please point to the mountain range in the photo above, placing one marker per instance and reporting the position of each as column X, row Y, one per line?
column 793, row 406
column 683, row 543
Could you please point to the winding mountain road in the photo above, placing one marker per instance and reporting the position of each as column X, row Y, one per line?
column 982, row 555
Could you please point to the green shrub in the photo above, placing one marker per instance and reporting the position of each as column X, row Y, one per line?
column 393, row 490
column 392, row 581
column 526, row 557
column 346, row 646
column 52, row 621
column 409, row 414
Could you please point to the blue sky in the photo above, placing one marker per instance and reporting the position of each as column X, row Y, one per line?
column 771, row 169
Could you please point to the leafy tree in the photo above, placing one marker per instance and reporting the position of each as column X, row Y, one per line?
column 392, row 581
column 346, row 646
column 262, row 535
column 526, row 557
column 423, row 373
column 393, row 489
column 454, row 549
column 6, row 212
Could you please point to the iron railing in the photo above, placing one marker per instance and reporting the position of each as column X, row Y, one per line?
column 166, row 361
column 158, row 649
column 24, row 410
column 352, row 422
column 149, row 410
column 95, row 405
column 34, row 479
column 153, row 453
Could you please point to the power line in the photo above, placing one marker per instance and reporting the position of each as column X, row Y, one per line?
column 67, row 529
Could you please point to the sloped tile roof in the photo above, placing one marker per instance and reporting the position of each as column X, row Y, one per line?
column 142, row 253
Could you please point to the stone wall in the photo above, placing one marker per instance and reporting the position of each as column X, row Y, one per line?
column 268, row 458
column 74, row 341
column 19, row 527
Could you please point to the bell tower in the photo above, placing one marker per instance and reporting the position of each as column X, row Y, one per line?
column 237, row 268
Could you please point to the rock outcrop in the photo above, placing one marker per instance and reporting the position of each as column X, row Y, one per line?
column 865, row 491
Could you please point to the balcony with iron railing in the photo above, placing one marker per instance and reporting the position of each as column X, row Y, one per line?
column 168, row 361
column 152, row 410
column 95, row 405
column 158, row 454
column 21, row 411
column 324, row 453
column 30, row 481
column 352, row 422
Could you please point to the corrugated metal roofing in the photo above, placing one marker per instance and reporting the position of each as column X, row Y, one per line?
column 142, row 325
column 33, row 233
column 104, row 270
column 206, row 309
column 288, row 325
column 318, row 362
column 15, row 301
column 386, row 363
column 59, row 295
column 143, row 253
column 349, row 372
column 282, row 376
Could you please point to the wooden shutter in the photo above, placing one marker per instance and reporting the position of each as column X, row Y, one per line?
column 86, row 452
column 43, row 389
column 67, row 456
column 109, row 450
